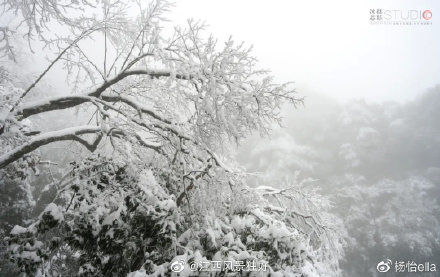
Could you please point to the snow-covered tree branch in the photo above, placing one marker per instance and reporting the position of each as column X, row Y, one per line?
column 158, row 109
column 46, row 138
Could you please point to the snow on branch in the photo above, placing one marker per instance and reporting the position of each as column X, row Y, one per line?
column 46, row 138
column 69, row 101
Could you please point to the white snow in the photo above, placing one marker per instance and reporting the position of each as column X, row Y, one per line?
column 17, row 230
column 54, row 211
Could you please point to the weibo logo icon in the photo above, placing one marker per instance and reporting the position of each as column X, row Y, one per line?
column 384, row 266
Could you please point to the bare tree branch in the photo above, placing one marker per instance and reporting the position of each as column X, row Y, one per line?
column 74, row 42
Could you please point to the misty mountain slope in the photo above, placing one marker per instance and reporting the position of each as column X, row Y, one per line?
column 378, row 163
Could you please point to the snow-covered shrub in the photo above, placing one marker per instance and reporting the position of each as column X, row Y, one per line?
column 111, row 221
column 114, row 219
column 16, row 199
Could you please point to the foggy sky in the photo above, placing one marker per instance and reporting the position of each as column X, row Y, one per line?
column 330, row 47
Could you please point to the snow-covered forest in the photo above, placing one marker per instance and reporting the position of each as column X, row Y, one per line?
column 132, row 146
column 379, row 165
